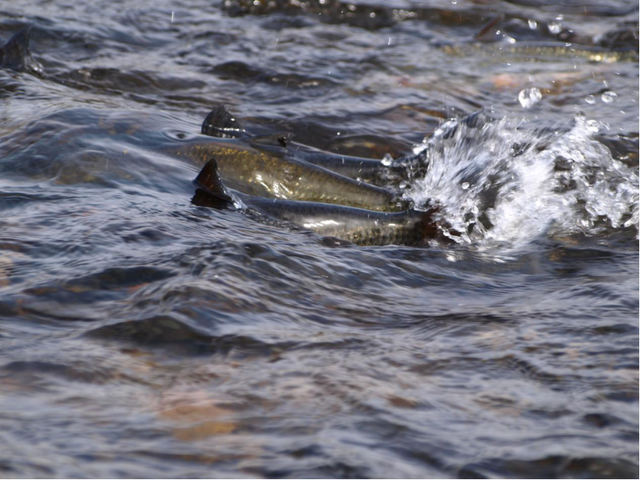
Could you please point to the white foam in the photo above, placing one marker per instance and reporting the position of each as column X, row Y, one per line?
column 506, row 184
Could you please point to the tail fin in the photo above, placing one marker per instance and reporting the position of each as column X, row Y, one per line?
column 209, row 181
column 15, row 53
column 220, row 123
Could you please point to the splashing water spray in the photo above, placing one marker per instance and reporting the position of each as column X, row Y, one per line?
column 500, row 184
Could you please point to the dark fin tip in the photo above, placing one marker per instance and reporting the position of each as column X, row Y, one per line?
column 15, row 53
column 220, row 123
column 272, row 140
column 209, row 181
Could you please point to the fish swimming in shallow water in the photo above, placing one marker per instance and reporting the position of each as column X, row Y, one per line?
column 343, row 207
column 358, row 226
column 252, row 171
column 269, row 166
column 535, row 51
column 220, row 123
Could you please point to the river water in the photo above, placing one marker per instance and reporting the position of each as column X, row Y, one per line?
column 143, row 335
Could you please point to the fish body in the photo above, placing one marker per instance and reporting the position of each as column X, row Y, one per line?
column 541, row 50
column 356, row 225
column 283, row 175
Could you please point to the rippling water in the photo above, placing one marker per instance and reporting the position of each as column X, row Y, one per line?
column 143, row 335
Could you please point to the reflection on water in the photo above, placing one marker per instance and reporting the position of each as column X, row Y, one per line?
column 143, row 335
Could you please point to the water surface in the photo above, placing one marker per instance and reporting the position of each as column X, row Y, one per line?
column 142, row 335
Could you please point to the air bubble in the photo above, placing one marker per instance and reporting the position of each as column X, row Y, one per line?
column 609, row 96
column 590, row 99
column 533, row 24
column 387, row 160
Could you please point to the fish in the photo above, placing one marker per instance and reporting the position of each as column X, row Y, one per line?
column 541, row 50
column 15, row 53
column 355, row 225
column 614, row 46
column 221, row 123
column 265, row 166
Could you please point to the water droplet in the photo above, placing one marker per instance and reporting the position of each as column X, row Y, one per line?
column 609, row 96
column 387, row 160
column 403, row 185
column 555, row 27
column 465, row 185
column 590, row 99
column 529, row 97
column 533, row 24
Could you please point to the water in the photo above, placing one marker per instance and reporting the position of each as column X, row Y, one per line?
column 143, row 335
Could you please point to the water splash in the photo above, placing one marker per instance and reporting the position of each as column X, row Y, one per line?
column 500, row 183
column 529, row 97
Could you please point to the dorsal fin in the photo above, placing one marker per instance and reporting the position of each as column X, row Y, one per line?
column 15, row 53
column 280, row 140
column 209, row 180
column 220, row 123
